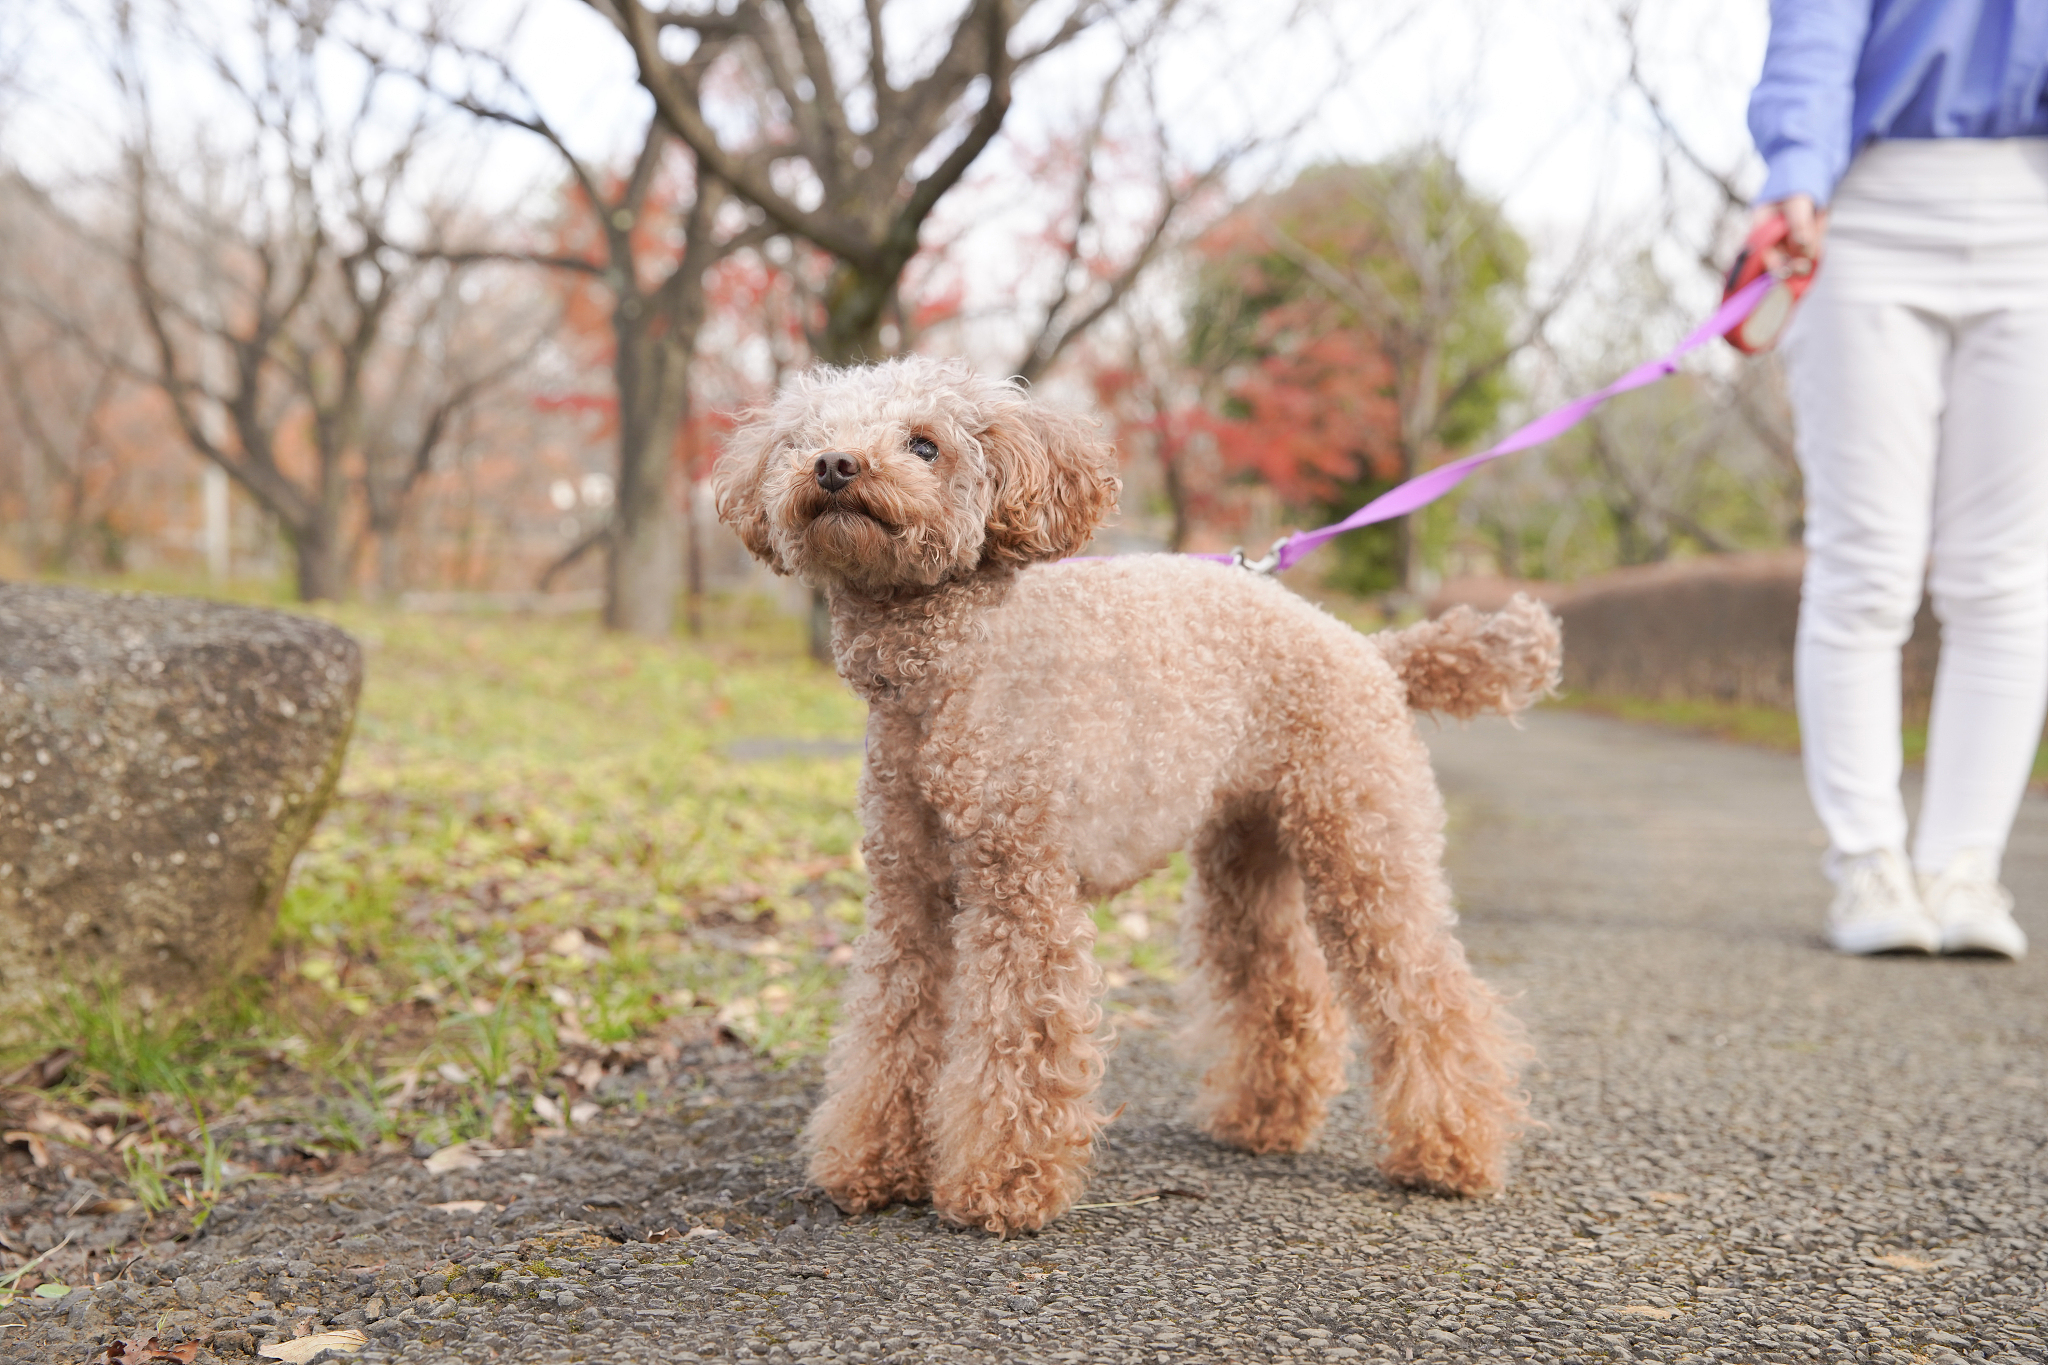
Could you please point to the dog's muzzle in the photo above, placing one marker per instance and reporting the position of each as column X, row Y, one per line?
column 836, row 469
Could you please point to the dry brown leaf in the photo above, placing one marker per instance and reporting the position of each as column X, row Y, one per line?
column 464, row 1206
column 99, row 1208
column 299, row 1350
column 150, row 1351
column 53, row 1124
column 43, row 1073
column 38, row 1150
column 456, row 1157
column 1899, row 1260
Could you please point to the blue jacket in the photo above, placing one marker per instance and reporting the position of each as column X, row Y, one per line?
column 1839, row 73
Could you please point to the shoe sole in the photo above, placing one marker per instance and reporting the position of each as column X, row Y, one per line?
column 1975, row 948
column 1903, row 944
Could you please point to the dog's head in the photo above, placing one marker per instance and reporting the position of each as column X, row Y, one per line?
column 908, row 473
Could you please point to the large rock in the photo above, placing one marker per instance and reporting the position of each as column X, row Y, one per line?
column 1715, row 628
column 161, row 762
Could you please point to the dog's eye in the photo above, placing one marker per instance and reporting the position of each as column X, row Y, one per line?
column 925, row 448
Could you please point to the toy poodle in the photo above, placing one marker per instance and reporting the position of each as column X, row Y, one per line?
column 1044, row 733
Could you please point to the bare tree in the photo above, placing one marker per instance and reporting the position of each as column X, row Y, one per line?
column 65, row 475
column 876, row 156
column 265, row 266
column 456, row 350
column 1692, row 180
column 657, row 311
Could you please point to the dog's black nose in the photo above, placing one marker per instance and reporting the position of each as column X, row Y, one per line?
column 836, row 469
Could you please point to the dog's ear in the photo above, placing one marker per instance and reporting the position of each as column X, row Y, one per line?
column 1054, row 482
column 736, row 487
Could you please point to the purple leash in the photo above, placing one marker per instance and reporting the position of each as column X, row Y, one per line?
column 1427, row 487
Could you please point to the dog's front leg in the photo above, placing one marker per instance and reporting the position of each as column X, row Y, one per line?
column 1014, row 1115
column 867, row 1141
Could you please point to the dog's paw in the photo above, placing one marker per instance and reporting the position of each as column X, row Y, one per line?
column 858, row 1188
column 1266, row 1120
column 1025, row 1202
column 1443, row 1166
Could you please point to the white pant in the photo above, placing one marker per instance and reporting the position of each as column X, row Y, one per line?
column 1919, row 377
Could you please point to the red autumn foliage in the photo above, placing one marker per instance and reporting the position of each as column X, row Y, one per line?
column 1308, row 401
column 1315, row 412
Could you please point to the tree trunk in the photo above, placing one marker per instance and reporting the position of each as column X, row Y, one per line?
column 693, row 562
column 388, row 567
column 854, row 304
column 1177, row 500
column 641, row 568
column 323, row 575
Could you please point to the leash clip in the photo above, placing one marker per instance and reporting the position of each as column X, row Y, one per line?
column 1266, row 563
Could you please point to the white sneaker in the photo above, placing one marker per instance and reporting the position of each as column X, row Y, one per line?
column 1972, row 911
column 1877, row 909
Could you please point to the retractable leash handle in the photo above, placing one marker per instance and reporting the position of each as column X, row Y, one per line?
column 1760, row 331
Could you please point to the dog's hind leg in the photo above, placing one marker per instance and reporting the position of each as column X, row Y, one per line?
column 1368, row 837
column 1014, row 1115
column 1264, row 1020
column 867, row 1142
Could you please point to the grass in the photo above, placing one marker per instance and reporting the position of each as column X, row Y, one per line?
column 1760, row 725
column 543, row 865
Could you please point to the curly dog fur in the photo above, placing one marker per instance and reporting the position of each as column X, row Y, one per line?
column 1041, row 735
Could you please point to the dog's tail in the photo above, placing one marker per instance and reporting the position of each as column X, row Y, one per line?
column 1465, row 662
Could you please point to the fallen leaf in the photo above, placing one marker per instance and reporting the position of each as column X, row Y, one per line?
column 299, row 1350
column 464, row 1206
column 52, row 1124
column 150, row 1351
column 38, row 1150
column 1899, row 1260
column 456, row 1157
column 44, row 1073
column 51, row 1289
column 1646, row 1310
column 101, row 1207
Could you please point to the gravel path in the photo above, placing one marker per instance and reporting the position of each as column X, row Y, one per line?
column 1752, row 1150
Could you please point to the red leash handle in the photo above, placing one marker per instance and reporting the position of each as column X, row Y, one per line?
column 1760, row 331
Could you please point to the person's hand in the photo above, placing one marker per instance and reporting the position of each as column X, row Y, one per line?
column 1806, row 229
